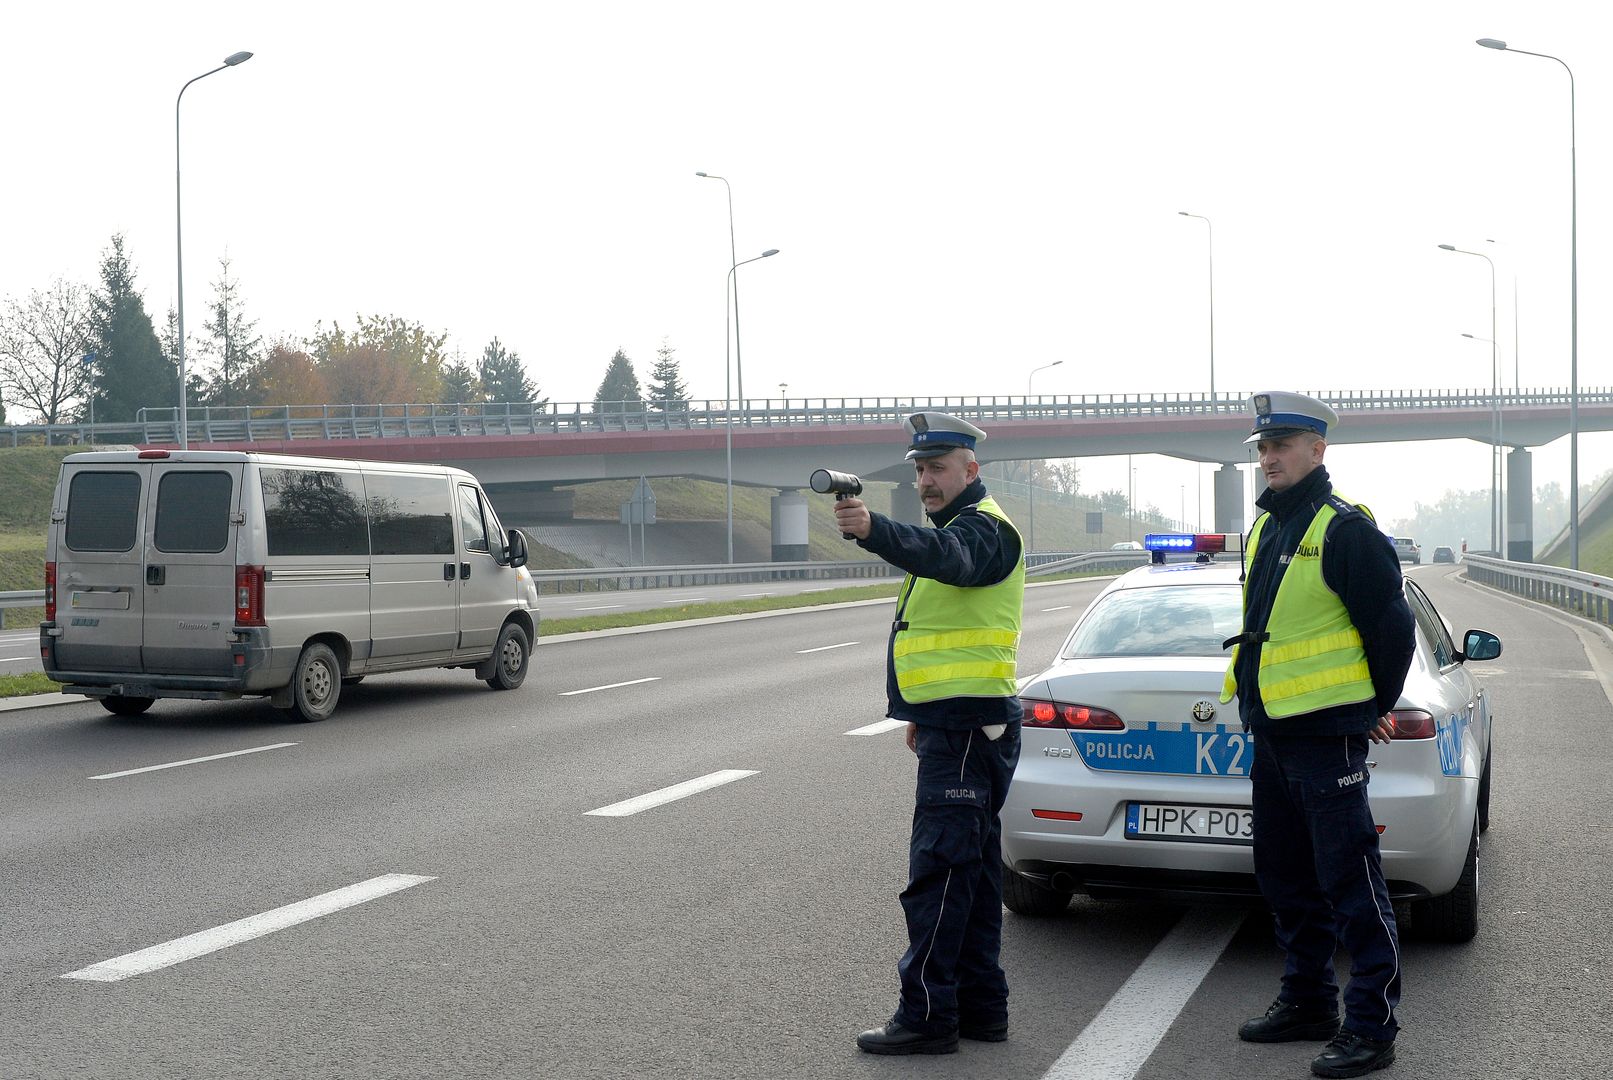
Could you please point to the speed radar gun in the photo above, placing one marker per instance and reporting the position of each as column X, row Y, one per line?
column 842, row 485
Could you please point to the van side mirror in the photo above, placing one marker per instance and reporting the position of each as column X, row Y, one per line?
column 1480, row 645
column 515, row 553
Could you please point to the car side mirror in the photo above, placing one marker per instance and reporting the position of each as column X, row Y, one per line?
column 515, row 553
column 1480, row 645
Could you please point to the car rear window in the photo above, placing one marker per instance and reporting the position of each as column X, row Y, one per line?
column 314, row 512
column 103, row 511
column 193, row 511
column 1163, row 620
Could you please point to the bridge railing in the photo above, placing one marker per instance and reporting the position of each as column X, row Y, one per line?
column 1587, row 595
column 287, row 423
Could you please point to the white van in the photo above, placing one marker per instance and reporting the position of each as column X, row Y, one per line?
column 219, row 574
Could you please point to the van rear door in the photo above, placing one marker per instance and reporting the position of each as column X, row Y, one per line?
column 99, row 566
column 189, row 581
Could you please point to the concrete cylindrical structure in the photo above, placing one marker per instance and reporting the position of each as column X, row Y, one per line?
column 905, row 504
column 1520, row 506
column 1228, row 499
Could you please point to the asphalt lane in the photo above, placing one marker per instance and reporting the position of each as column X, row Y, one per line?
column 746, row 931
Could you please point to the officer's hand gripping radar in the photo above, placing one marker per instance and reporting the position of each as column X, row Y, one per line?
column 839, row 484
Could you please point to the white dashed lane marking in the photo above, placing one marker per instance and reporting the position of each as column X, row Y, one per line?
column 665, row 795
column 826, row 648
column 191, row 946
column 610, row 686
column 878, row 728
column 192, row 761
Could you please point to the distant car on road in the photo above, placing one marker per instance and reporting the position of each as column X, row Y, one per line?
column 1444, row 554
column 1407, row 549
column 1134, row 777
column 1126, row 545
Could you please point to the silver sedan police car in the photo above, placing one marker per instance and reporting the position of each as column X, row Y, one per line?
column 1134, row 778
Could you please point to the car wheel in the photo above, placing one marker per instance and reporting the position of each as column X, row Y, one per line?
column 126, row 706
column 1484, row 793
column 510, row 658
column 315, row 685
column 1026, row 897
column 1453, row 917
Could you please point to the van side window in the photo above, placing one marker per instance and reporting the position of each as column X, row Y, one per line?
column 193, row 511
column 410, row 515
column 314, row 512
column 103, row 511
column 470, row 519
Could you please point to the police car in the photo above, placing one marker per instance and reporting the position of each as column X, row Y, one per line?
column 1133, row 778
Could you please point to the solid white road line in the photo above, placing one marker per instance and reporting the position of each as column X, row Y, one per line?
column 1061, row 607
column 611, row 686
column 685, row 600
column 875, row 729
column 745, row 594
column 1120, row 1038
column 193, row 761
column 672, row 794
column 826, row 648
column 191, row 946
column 599, row 607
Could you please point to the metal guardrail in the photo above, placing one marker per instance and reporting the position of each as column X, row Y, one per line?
column 27, row 598
column 659, row 577
column 284, row 423
column 1587, row 595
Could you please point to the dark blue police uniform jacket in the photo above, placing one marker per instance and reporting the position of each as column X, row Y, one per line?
column 953, row 901
column 1315, row 844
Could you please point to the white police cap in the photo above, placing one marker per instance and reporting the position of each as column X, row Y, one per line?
column 1279, row 413
column 937, row 433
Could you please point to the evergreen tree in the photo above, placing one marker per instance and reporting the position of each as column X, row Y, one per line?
column 666, row 383
column 460, row 383
column 235, row 346
column 131, row 371
column 620, row 384
column 504, row 379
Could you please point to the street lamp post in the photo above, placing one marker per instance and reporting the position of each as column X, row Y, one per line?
column 728, row 400
column 1030, row 532
column 1573, row 305
column 1210, row 233
column 733, row 257
column 1495, row 391
column 179, row 241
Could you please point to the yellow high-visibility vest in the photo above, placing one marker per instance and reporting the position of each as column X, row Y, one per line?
column 1313, row 658
column 960, row 642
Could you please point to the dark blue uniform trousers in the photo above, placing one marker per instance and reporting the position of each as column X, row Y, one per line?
column 954, row 894
column 1316, row 858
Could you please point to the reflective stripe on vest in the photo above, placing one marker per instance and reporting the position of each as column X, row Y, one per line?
column 1314, row 658
column 960, row 642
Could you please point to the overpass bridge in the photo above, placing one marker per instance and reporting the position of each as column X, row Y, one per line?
column 526, row 455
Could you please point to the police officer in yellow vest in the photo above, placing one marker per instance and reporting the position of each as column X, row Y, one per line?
column 950, row 674
column 1327, row 641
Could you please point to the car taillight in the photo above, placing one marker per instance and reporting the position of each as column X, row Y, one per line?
column 50, row 592
column 1055, row 714
column 1412, row 724
column 249, row 596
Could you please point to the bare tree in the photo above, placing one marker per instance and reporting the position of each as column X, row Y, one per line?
column 43, row 339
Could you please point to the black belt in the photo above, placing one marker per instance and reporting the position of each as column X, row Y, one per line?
column 1248, row 637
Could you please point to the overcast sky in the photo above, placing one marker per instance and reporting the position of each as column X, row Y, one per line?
column 959, row 193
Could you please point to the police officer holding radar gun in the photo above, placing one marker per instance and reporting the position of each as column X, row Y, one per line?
column 950, row 674
column 1327, row 641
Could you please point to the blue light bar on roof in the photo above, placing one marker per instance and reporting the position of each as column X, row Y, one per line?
column 1169, row 541
column 1214, row 543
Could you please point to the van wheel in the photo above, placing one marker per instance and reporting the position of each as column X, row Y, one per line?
column 1453, row 917
column 510, row 658
column 126, row 706
column 315, row 685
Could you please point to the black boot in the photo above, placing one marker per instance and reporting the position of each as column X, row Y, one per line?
column 1284, row 1022
column 1353, row 1055
column 893, row 1038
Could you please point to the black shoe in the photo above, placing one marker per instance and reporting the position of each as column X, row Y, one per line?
column 893, row 1038
column 1290, row 1023
column 993, row 1032
column 1353, row 1055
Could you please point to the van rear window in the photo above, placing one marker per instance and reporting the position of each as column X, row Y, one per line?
column 314, row 512
column 103, row 511
column 193, row 511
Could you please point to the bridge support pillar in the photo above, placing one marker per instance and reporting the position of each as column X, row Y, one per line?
column 905, row 504
column 789, row 526
column 1228, row 500
column 1520, row 506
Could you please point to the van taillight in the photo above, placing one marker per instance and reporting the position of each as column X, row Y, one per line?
column 249, row 596
column 50, row 592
